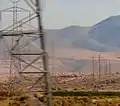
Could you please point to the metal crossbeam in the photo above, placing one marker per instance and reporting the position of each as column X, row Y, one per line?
column 32, row 72
column 6, row 34
column 27, row 54
column 20, row 59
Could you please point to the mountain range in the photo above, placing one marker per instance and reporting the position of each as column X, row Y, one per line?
column 102, row 37
column 83, row 42
column 107, row 31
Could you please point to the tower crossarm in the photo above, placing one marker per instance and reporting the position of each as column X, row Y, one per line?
column 28, row 32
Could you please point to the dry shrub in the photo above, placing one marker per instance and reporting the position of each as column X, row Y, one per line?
column 3, row 94
column 2, row 98
column 14, row 103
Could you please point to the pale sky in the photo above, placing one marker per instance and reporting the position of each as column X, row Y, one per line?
column 62, row 13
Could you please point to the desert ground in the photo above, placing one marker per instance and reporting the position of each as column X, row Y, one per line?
column 67, row 81
column 63, row 78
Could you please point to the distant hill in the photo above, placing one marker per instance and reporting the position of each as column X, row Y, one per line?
column 66, row 36
column 102, row 37
column 107, row 31
column 75, row 37
column 78, row 42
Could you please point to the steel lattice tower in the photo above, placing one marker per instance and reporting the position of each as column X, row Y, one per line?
column 36, row 68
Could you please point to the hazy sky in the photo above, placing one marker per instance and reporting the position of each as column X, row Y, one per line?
column 61, row 13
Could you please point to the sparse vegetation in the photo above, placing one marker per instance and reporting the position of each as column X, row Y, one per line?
column 84, row 81
column 65, row 101
column 15, row 101
column 86, row 101
column 66, row 83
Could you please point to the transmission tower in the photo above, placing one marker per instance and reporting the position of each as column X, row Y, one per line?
column 36, row 69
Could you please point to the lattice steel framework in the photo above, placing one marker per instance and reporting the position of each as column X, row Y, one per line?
column 28, row 68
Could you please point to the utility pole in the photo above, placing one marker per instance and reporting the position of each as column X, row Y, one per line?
column 106, row 67
column 53, row 55
column 45, row 57
column 99, row 64
column 93, row 68
column 109, row 64
column 99, row 67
